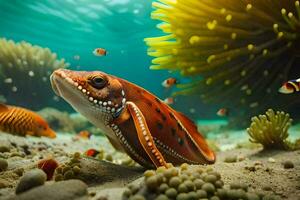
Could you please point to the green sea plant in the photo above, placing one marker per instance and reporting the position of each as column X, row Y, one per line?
column 271, row 130
column 24, row 74
column 237, row 53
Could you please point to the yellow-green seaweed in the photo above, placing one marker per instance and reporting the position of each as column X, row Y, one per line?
column 238, row 53
column 24, row 73
column 271, row 130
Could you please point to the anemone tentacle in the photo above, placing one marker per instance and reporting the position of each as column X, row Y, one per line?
column 241, row 50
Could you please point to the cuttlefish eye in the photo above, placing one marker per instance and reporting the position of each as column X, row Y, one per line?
column 97, row 82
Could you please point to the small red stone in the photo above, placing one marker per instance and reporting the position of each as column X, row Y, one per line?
column 48, row 165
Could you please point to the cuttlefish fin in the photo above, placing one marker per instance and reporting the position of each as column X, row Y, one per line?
column 196, row 137
column 145, row 136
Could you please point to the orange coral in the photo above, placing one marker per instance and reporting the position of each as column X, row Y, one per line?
column 48, row 165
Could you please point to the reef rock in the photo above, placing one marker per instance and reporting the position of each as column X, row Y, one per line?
column 63, row 190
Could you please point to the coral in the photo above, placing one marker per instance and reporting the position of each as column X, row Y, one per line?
column 188, row 183
column 63, row 121
column 24, row 74
column 271, row 130
column 48, row 166
column 237, row 53
column 69, row 170
column 58, row 120
column 80, row 123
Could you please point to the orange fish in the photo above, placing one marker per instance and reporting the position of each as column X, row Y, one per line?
column 169, row 100
column 21, row 121
column 223, row 112
column 84, row 134
column 99, row 52
column 169, row 82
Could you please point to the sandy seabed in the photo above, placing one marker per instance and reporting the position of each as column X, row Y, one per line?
column 258, row 169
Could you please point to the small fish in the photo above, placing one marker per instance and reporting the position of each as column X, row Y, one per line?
column 76, row 57
column 20, row 121
column 192, row 110
column 92, row 152
column 223, row 112
column 84, row 134
column 99, row 52
column 169, row 100
column 169, row 82
column 290, row 87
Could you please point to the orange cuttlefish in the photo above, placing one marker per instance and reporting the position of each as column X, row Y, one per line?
column 134, row 120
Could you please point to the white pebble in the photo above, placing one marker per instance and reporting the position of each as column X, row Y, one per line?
column 271, row 160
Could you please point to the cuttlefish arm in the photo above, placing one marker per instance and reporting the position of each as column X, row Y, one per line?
column 143, row 133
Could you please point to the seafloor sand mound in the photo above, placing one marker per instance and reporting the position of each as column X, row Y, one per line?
column 271, row 173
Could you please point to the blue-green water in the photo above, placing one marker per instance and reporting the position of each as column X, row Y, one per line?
column 75, row 28
column 72, row 28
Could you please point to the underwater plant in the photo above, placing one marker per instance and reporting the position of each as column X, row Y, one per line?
column 237, row 53
column 271, row 130
column 24, row 74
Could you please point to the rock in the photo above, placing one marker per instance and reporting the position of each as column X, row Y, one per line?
column 271, row 160
column 63, row 190
column 267, row 188
column 19, row 171
column 5, row 146
column 241, row 158
column 102, row 172
column 230, row 159
column 3, row 183
column 3, row 164
column 288, row 164
column 31, row 179
column 258, row 162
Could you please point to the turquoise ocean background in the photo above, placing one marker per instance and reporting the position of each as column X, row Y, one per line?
column 76, row 27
